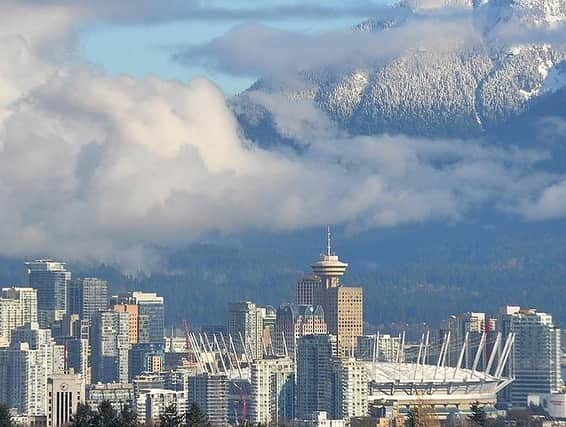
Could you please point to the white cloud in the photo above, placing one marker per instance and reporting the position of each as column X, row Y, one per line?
column 255, row 49
column 93, row 166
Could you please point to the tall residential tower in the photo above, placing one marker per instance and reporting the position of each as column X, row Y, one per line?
column 51, row 279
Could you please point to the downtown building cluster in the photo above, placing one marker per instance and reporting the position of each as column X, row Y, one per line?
column 67, row 340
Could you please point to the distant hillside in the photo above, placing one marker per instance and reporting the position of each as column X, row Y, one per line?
column 413, row 274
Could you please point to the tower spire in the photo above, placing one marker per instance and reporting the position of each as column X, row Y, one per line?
column 329, row 268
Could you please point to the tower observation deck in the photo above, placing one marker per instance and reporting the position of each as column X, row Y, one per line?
column 329, row 268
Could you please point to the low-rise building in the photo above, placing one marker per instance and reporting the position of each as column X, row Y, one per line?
column 151, row 403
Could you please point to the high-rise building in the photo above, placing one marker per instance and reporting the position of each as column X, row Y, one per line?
column 343, row 312
column 146, row 358
column 150, row 313
column 471, row 324
column 382, row 347
column 51, row 279
column 87, row 296
column 40, row 339
column 28, row 301
column 295, row 321
column 350, row 395
column 69, row 326
column 209, row 392
column 10, row 318
column 535, row 361
column 261, row 334
column 242, row 321
column 132, row 310
column 307, row 287
column 272, row 391
column 314, row 375
column 25, row 367
column 152, row 403
column 268, row 326
column 23, row 379
column 109, row 342
column 151, row 316
column 64, row 393
column 76, row 355
column 342, row 305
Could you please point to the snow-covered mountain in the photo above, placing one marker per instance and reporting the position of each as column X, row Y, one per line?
column 430, row 92
column 529, row 13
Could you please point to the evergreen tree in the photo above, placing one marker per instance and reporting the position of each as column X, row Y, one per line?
column 478, row 415
column 170, row 417
column 82, row 417
column 127, row 417
column 196, row 417
column 5, row 417
column 105, row 416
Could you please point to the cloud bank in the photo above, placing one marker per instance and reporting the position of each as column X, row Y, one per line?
column 260, row 50
column 98, row 167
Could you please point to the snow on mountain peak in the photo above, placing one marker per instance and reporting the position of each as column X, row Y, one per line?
column 521, row 13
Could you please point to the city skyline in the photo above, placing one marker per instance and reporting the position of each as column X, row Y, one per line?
column 282, row 364
column 283, row 213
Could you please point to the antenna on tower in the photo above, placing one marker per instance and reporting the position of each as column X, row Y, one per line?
column 329, row 242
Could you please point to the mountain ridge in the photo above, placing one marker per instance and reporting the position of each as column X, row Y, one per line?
column 462, row 93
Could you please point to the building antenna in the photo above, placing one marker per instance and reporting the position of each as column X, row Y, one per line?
column 329, row 242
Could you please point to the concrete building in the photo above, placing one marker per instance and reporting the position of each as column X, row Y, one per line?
column 23, row 379
column 109, row 346
column 552, row 403
column 149, row 309
column 25, row 367
column 40, row 339
column 152, row 403
column 314, row 375
column 342, row 305
column 321, row 419
column 210, row 394
column 307, row 287
column 535, row 362
column 10, row 318
column 243, row 320
column 87, row 296
column 69, row 326
column 115, row 393
column 146, row 358
column 296, row 321
column 343, row 312
column 132, row 310
column 384, row 346
column 146, row 382
column 272, row 391
column 51, row 279
column 151, row 317
column 64, row 393
column 77, row 356
column 267, row 328
column 350, row 389
column 18, row 306
column 28, row 301
column 470, row 324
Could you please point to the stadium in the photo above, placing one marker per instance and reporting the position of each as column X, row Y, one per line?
column 445, row 389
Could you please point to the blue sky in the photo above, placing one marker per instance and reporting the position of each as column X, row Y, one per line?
column 146, row 49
